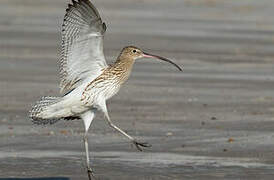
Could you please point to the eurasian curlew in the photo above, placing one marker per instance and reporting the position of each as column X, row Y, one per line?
column 87, row 81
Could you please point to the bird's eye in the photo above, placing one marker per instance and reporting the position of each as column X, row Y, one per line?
column 134, row 51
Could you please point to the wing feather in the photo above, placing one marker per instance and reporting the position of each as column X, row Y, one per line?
column 82, row 55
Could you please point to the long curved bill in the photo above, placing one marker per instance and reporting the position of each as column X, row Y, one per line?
column 147, row 55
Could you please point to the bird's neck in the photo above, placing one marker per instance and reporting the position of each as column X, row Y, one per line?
column 123, row 67
column 124, row 62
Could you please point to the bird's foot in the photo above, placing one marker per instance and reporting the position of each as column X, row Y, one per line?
column 141, row 144
column 90, row 173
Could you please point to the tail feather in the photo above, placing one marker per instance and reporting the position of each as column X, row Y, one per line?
column 49, row 110
column 39, row 107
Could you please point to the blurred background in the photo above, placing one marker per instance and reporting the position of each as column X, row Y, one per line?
column 214, row 120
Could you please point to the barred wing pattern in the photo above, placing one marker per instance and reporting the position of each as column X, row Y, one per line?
column 82, row 55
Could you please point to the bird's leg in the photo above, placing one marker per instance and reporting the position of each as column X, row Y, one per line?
column 89, row 170
column 133, row 140
column 87, row 118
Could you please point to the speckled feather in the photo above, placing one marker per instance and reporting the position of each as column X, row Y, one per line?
column 109, row 82
column 82, row 45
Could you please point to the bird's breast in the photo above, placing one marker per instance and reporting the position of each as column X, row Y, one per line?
column 106, row 85
column 112, row 87
column 104, row 89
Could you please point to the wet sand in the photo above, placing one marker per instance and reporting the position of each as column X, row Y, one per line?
column 214, row 120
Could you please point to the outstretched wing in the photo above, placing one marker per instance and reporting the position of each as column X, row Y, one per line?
column 82, row 55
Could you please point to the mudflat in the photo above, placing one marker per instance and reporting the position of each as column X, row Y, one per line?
column 214, row 120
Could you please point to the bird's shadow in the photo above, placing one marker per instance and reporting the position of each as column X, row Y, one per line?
column 37, row 178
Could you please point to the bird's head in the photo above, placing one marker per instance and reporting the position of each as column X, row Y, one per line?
column 133, row 53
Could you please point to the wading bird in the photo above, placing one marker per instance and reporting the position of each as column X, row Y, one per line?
column 87, row 81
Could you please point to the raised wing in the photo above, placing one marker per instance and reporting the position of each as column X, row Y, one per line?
column 82, row 55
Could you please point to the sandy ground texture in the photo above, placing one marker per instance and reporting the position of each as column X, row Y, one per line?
column 212, row 121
